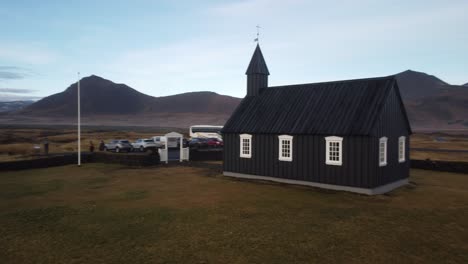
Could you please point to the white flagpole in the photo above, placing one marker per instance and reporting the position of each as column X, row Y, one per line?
column 79, row 123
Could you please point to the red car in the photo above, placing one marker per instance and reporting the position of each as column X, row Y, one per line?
column 214, row 142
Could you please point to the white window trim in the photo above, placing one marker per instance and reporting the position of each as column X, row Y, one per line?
column 402, row 139
column 329, row 140
column 280, row 145
column 384, row 162
column 242, row 137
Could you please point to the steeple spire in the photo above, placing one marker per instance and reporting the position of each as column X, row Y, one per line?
column 257, row 73
column 257, row 64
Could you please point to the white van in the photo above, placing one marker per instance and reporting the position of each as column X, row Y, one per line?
column 161, row 141
column 205, row 131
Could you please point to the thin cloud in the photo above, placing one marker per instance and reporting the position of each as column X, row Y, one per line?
column 16, row 90
column 13, row 97
column 14, row 73
column 6, row 75
column 10, row 68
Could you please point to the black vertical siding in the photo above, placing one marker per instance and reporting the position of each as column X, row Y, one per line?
column 255, row 82
column 360, row 166
column 391, row 124
column 308, row 160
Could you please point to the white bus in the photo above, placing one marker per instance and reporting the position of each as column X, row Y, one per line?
column 205, row 131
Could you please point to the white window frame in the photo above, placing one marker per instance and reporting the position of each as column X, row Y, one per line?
column 247, row 137
column 289, row 140
column 401, row 149
column 328, row 141
column 383, row 159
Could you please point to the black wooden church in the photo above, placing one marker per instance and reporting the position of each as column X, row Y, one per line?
column 348, row 135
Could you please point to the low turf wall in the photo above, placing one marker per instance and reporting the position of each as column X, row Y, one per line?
column 206, row 155
column 150, row 159
column 448, row 166
column 131, row 159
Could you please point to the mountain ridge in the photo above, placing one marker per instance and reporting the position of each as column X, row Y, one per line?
column 430, row 102
column 100, row 96
column 414, row 84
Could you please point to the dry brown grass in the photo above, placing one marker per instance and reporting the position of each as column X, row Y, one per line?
column 16, row 148
column 443, row 156
column 109, row 214
column 445, row 141
column 18, row 143
column 439, row 141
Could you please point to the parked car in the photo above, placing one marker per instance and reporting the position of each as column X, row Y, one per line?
column 161, row 142
column 144, row 144
column 118, row 146
column 214, row 143
column 198, row 143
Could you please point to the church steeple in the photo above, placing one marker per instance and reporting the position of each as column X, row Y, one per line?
column 257, row 73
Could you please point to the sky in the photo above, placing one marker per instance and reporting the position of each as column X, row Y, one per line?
column 167, row 47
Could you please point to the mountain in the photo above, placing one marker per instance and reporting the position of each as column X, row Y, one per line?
column 103, row 97
column 98, row 96
column 13, row 105
column 106, row 103
column 466, row 84
column 432, row 103
column 415, row 84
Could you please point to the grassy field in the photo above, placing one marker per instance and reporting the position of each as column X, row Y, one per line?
column 109, row 214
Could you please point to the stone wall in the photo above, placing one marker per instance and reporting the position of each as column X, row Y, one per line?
column 448, row 166
column 130, row 159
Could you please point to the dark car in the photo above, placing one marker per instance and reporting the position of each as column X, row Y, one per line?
column 198, row 143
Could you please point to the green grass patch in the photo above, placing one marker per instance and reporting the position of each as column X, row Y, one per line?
column 134, row 195
column 19, row 190
column 97, row 182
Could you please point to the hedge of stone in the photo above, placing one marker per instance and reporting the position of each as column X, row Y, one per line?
column 448, row 166
column 205, row 155
column 130, row 159
column 150, row 159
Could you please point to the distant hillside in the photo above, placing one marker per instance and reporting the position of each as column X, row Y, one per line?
column 431, row 104
column 98, row 96
column 415, row 84
column 13, row 105
column 446, row 109
column 466, row 84
column 103, row 97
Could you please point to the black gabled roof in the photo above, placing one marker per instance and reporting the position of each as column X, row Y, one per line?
column 257, row 64
column 331, row 108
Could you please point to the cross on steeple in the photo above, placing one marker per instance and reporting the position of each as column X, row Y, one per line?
column 258, row 34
